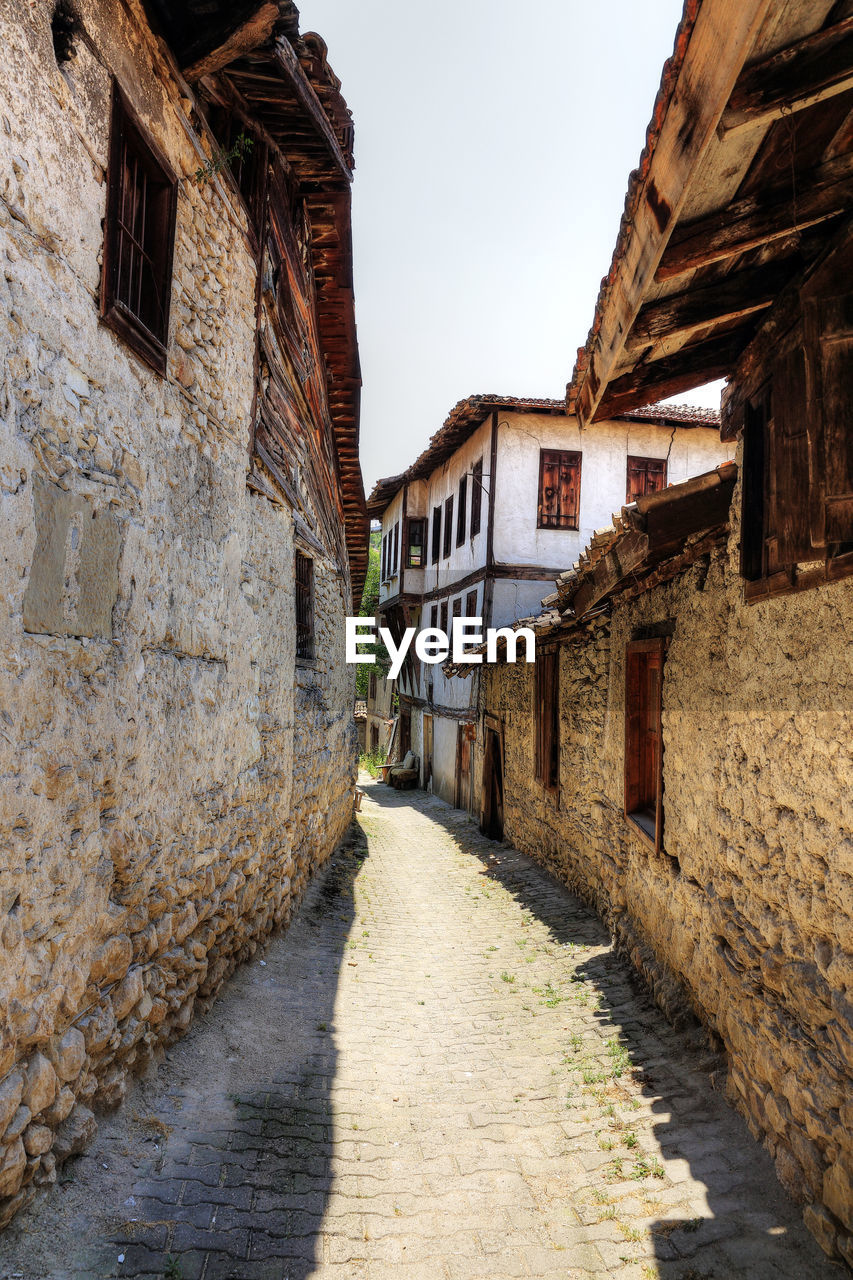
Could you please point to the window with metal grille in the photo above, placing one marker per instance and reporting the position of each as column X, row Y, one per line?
column 304, row 607
column 559, row 489
column 462, row 511
column 448, row 526
column 476, row 495
column 139, row 237
column 645, row 475
column 643, row 747
column 547, row 718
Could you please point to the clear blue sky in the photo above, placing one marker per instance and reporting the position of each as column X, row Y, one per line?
column 493, row 146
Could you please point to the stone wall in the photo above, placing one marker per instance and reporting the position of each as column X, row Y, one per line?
column 170, row 778
column 746, row 919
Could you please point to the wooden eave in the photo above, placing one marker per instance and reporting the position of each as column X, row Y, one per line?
column 747, row 173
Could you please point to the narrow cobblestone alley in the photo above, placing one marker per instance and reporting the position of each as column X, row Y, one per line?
column 441, row 1070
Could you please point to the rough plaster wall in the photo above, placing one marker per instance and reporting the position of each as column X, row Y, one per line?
column 160, row 808
column 747, row 919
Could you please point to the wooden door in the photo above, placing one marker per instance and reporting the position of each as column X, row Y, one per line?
column 493, row 789
column 427, row 761
column 463, row 767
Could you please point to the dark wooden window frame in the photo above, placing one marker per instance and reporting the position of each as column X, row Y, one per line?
column 651, row 469
column 139, row 237
column 476, row 496
column 442, row 615
column 643, row 799
column 304, row 584
column 416, row 543
column 471, row 604
column 566, row 460
column 546, row 718
column 447, row 545
column 462, row 510
column 433, row 615
column 371, row 687
column 436, row 535
column 395, row 554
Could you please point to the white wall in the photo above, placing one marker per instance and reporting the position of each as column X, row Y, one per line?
column 441, row 484
column 605, row 447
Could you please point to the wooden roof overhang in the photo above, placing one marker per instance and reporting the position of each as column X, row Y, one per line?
column 746, row 174
column 283, row 83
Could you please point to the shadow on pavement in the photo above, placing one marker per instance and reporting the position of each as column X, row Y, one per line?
column 745, row 1225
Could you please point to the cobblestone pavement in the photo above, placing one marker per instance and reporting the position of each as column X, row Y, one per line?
column 441, row 1071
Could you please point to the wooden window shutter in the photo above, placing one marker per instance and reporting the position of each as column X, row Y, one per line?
column 644, row 661
column 559, row 489
column 787, row 502
column 462, row 511
column 436, row 534
column 448, row 526
column 645, row 475
column 828, row 331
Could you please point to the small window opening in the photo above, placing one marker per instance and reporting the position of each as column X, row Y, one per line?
column 64, row 26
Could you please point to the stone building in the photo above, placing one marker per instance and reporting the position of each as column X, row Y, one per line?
column 681, row 752
column 183, row 522
column 508, row 490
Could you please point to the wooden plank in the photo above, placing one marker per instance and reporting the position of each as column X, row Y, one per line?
column 823, row 193
column 813, row 69
column 721, row 302
column 722, row 35
column 249, row 35
column 690, row 367
column 307, row 97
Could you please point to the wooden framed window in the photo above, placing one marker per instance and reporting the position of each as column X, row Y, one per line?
column 462, row 511
column 547, row 718
column 436, row 534
column 443, row 616
column 433, row 615
column 246, row 154
column 384, row 567
column 559, row 489
column 395, row 555
column 139, row 238
column 405, row 733
column 645, row 475
column 476, row 496
column 471, row 604
column 456, row 609
column 416, row 553
column 371, row 688
column 448, row 527
column 643, row 741
column 304, row 607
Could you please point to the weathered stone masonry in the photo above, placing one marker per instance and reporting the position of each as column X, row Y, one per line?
column 170, row 776
column 746, row 919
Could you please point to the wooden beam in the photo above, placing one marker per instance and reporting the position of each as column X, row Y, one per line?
column 310, row 103
column 251, row 33
column 725, row 300
column 822, row 194
column 690, row 367
column 807, row 72
column 721, row 37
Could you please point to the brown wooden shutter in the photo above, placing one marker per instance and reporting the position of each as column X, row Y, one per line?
column 645, row 475
column 549, row 489
column 559, row 489
column 828, row 331
column 570, row 466
column 787, row 522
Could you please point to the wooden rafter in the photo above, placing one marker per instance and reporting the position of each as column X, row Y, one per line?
column 824, row 193
column 251, row 33
column 310, row 103
column 815, row 68
column 681, row 371
column 730, row 299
